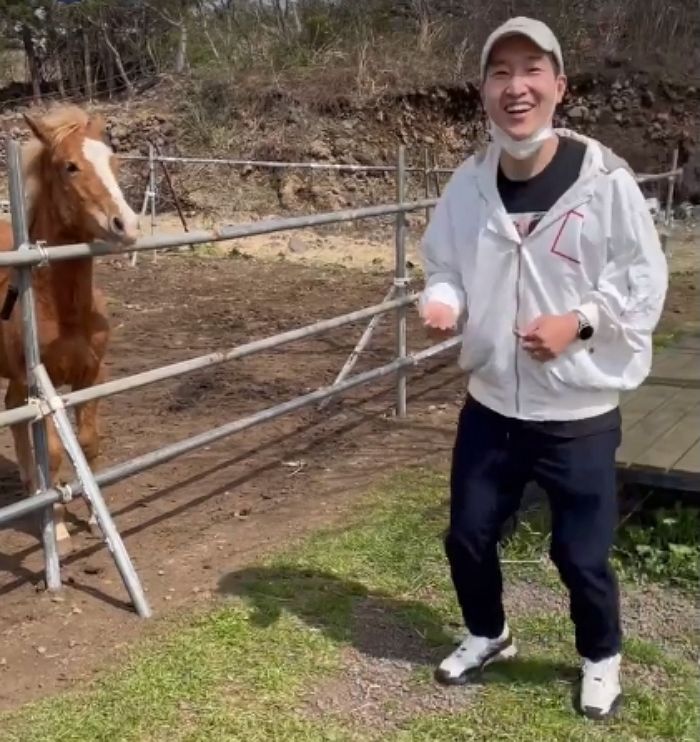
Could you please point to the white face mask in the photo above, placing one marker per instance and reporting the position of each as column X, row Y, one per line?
column 520, row 148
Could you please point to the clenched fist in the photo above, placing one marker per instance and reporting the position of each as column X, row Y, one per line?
column 549, row 335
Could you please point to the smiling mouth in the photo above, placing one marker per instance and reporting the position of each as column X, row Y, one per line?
column 518, row 108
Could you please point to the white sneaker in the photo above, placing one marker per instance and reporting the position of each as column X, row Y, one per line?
column 473, row 654
column 600, row 687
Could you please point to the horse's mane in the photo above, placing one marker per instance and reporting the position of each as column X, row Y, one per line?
column 60, row 121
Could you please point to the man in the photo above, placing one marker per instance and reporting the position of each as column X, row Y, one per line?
column 543, row 251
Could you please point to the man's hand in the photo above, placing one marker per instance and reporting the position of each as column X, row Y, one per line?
column 549, row 335
column 439, row 318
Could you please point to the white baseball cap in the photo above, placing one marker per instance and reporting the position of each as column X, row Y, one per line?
column 539, row 33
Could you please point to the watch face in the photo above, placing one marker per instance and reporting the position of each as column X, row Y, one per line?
column 585, row 332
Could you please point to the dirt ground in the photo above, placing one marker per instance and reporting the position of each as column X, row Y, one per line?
column 188, row 522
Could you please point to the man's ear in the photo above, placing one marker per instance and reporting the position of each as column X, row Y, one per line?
column 562, row 82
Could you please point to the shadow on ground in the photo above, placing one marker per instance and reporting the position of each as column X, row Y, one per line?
column 374, row 623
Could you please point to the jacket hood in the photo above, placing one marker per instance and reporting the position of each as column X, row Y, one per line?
column 598, row 161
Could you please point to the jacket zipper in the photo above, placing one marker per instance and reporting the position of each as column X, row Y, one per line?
column 515, row 334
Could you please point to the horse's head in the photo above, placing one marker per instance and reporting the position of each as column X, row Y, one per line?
column 78, row 171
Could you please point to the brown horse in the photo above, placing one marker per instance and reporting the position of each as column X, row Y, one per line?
column 72, row 196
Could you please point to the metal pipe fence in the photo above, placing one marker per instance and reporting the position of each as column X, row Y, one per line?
column 272, row 164
column 44, row 255
column 426, row 170
column 39, row 473
column 162, row 455
column 32, row 411
column 331, row 166
column 142, row 463
column 429, row 171
column 45, row 402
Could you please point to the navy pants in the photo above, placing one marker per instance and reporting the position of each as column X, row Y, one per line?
column 494, row 458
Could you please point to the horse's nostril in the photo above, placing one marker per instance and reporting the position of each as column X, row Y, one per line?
column 117, row 225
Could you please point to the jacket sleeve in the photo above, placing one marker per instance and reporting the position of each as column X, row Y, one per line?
column 443, row 279
column 626, row 305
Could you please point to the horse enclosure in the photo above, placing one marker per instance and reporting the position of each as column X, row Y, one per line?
column 44, row 401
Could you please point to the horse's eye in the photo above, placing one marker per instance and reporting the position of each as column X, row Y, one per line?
column 71, row 167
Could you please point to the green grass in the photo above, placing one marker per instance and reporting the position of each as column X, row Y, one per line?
column 246, row 669
column 659, row 544
column 661, row 340
column 663, row 545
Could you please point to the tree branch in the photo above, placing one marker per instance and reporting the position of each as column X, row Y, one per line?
column 165, row 16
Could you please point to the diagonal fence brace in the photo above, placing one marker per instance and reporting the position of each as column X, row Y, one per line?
column 91, row 492
column 359, row 348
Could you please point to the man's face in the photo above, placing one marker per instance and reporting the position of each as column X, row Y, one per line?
column 521, row 87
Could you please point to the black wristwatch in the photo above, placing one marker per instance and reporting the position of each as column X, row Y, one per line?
column 585, row 329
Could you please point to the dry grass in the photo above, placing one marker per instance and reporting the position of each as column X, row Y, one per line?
column 371, row 47
column 346, row 55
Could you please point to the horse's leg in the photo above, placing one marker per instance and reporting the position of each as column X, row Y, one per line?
column 15, row 396
column 65, row 545
column 88, row 424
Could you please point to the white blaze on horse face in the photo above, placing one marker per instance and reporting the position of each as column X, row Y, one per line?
column 123, row 224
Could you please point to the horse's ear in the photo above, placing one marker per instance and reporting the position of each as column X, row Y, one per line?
column 96, row 127
column 38, row 128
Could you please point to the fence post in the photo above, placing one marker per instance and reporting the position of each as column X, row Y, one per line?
column 401, row 280
column 152, row 184
column 436, row 174
column 149, row 199
column 671, row 186
column 173, row 193
column 426, row 181
column 152, row 191
column 41, row 475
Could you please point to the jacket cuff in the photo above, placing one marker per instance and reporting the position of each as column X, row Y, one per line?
column 443, row 292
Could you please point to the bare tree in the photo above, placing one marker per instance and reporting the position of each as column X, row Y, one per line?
column 177, row 15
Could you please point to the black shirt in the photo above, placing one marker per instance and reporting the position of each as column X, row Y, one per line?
column 527, row 201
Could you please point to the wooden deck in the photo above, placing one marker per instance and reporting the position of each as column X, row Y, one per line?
column 661, row 422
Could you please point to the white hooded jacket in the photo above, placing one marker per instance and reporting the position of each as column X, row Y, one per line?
column 595, row 250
